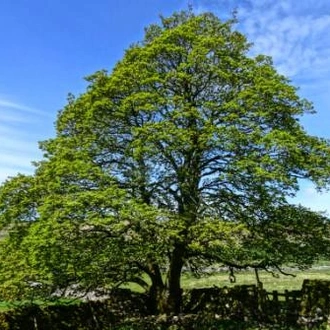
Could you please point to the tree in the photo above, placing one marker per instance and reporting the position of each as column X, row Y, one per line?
column 182, row 156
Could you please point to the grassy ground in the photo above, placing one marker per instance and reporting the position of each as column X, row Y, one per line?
column 270, row 282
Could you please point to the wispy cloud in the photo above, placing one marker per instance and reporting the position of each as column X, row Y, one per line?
column 297, row 40
column 20, row 129
column 294, row 34
column 7, row 104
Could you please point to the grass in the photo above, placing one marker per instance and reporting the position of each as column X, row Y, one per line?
column 279, row 283
column 270, row 283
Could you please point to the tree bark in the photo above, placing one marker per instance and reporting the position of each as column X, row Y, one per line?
column 157, row 291
column 174, row 299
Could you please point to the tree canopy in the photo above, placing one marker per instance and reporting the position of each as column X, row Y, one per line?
column 182, row 156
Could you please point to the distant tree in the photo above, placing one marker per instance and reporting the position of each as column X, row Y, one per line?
column 182, row 156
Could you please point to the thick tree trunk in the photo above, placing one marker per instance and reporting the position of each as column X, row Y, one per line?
column 174, row 299
column 157, row 299
column 166, row 298
column 157, row 291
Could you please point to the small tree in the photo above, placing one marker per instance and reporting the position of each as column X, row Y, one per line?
column 182, row 156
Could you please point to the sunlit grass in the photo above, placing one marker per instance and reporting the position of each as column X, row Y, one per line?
column 270, row 283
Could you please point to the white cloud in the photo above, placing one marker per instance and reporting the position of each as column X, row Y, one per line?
column 294, row 34
column 295, row 43
column 20, row 129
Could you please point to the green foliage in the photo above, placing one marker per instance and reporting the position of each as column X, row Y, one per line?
column 183, row 155
column 286, row 235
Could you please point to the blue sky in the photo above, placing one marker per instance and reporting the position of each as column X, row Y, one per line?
column 48, row 46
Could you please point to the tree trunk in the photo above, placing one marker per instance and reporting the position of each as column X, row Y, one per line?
column 174, row 299
column 157, row 296
column 167, row 298
column 157, row 299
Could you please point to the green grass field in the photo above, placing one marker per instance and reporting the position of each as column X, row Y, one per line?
column 270, row 283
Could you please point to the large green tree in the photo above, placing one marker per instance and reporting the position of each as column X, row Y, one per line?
column 182, row 156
